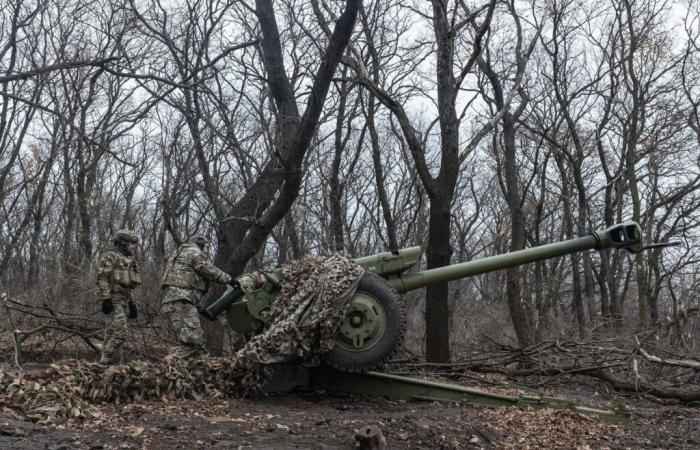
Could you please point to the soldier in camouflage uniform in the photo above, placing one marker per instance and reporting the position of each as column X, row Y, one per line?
column 185, row 281
column 117, row 276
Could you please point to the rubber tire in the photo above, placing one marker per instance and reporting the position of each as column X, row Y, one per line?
column 375, row 357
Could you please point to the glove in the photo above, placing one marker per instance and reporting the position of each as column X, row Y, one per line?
column 133, row 312
column 260, row 278
column 234, row 283
column 107, row 306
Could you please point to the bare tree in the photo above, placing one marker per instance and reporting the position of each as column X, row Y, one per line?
column 511, row 184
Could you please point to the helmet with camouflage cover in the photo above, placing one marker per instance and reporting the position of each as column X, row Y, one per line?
column 200, row 241
column 125, row 236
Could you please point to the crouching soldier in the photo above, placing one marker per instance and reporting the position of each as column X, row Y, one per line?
column 185, row 281
column 117, row 277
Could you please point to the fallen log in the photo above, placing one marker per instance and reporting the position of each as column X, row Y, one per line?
column 626, row 366
column 642, row 386
column 684, row 362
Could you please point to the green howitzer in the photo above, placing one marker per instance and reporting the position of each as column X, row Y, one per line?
column 374, row 326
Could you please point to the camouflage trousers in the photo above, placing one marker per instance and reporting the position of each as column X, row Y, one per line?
column 115, row 332
column 184, row 318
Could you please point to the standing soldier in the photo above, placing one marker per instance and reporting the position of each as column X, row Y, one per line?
column 186, row 280
column 117, row 277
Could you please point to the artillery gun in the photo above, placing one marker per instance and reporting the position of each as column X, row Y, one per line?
column 374, row 326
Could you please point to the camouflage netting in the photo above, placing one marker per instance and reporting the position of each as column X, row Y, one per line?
column 305, row 317
column 301, row 325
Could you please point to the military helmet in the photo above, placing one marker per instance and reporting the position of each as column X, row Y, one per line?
column 125, row 235
column 199, row 240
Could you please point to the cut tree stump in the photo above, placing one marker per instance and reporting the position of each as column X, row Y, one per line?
column 370, row 437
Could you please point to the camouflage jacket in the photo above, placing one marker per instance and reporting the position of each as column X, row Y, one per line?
column 190, row 269
column 117, row 276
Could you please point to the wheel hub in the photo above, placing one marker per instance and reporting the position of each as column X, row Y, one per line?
column 364, row 324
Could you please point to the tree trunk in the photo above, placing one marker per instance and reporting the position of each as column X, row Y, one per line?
column 437, row 334
column 519, row 311
column 379, row 177
column 335, row 183
column 240, row 243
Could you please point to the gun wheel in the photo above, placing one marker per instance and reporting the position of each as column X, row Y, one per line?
column 372, row 330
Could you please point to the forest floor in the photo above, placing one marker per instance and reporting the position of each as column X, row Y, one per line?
column 317, row 420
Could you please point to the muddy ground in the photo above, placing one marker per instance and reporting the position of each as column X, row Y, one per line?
column 317, row 420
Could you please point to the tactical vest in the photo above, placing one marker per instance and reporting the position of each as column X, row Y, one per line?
column 179, row 273
column 125, row 273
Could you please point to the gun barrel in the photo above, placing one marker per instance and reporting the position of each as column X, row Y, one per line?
column 626, row 235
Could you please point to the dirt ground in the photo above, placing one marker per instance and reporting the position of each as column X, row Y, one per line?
column 316, row 420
